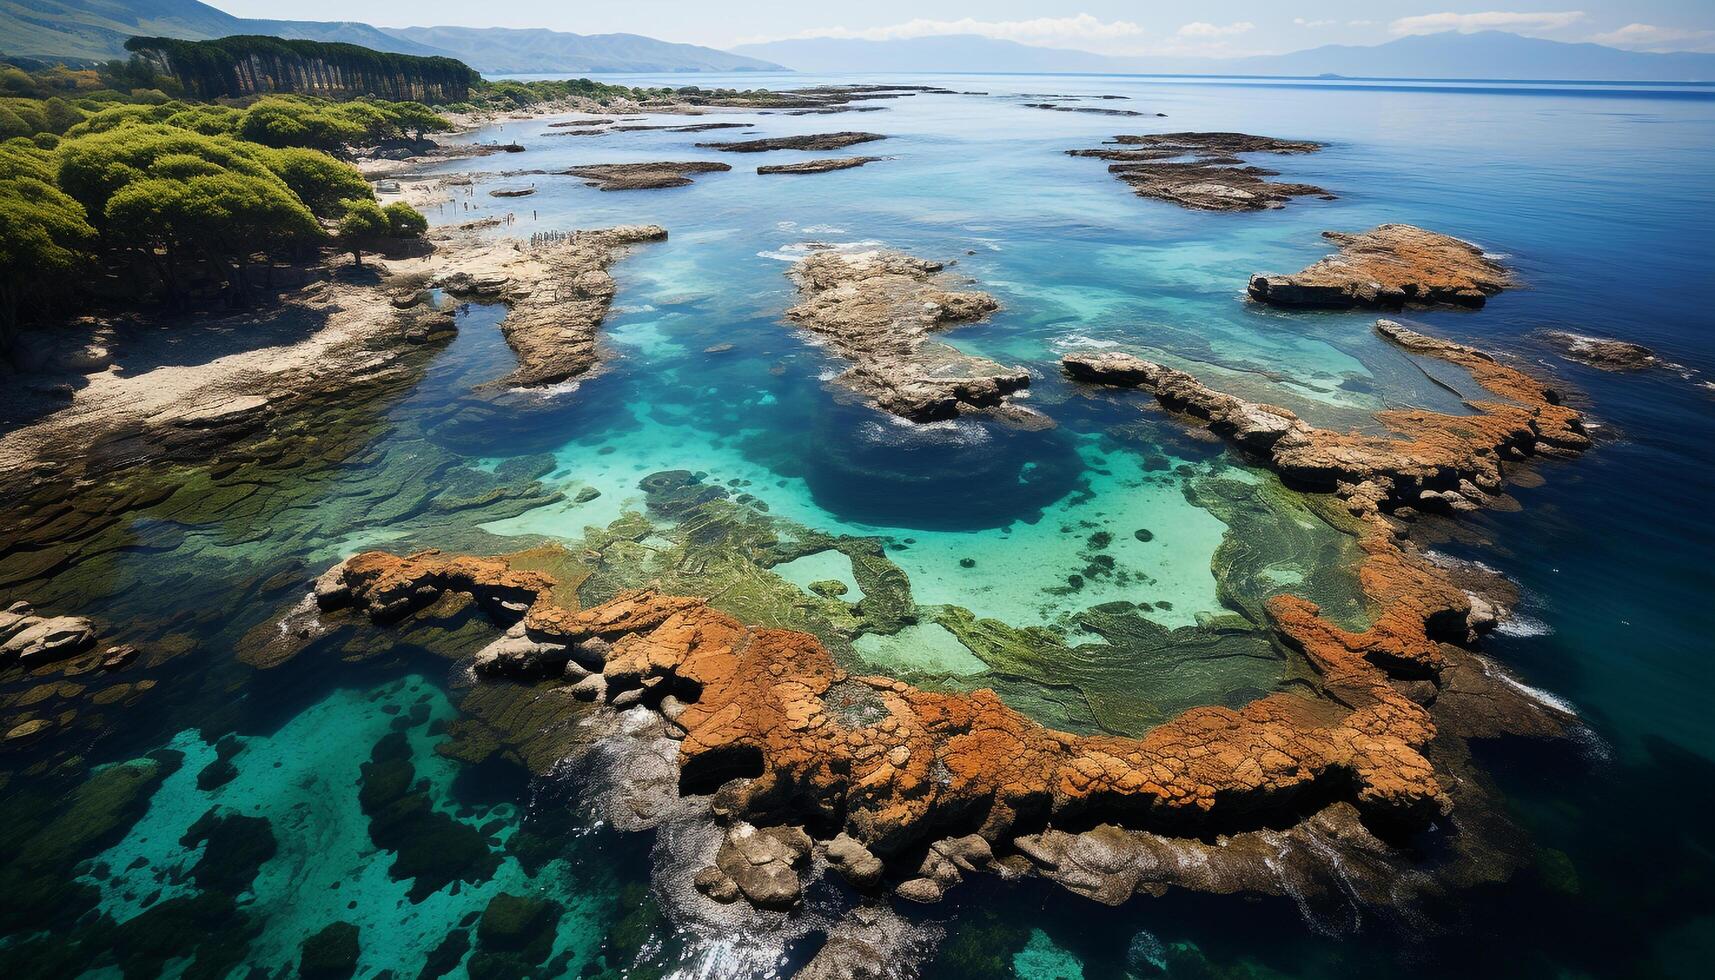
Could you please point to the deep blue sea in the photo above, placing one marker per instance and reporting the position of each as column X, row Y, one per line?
column 1602, row 197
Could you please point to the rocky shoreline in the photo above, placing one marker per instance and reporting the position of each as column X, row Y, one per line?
column 877, row 310
column 1389, row 267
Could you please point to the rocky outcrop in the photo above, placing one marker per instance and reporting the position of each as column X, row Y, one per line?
column 877, row 309
column 817, row 166
column 1433, row 461
column 1601, row 352
column 644, row 176
column 30, row 639
column 768, row 721
column 558, row 294
column 1201, row 171
column 1090, row 109
column 814, row 141
column 1389, row 267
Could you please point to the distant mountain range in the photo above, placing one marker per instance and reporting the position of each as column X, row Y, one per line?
column 93, row 30
column 498, row 50
column 1486, row 54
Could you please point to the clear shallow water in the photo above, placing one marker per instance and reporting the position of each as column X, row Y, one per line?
column 1601, row 199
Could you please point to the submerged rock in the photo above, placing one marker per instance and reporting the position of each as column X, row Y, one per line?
column 1389, row 267
column 32, row 639
column 331, row 953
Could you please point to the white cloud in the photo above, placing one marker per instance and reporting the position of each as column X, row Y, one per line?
column 1301, row 22
column 1648, row 37
column 1082, row 30
column 1203, row 29
column 1493, row 20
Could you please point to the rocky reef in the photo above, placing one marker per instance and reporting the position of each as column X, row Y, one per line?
column 877, row 309
column 1602, row 352
column 817, row 166
column 1389, row 267
column 813, row 141
column 1433, row 461
column 1201, row 171
column 644, row 176
column 1090, row 109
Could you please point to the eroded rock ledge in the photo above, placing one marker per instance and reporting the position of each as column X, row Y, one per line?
column 1389, row 267
column 813, row 141
column 877, row 309
column 558, row 294
column 1202, row 171
column 817, row 166
column 1433, row 461
column 769, row 722
column 644, row 176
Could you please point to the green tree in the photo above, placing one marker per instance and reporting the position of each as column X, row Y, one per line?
column 321, row 182
column 280, row 121
column 363, row 227
column 404, row 221
column 44, row 235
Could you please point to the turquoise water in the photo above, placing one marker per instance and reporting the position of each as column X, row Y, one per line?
column 1600, row 197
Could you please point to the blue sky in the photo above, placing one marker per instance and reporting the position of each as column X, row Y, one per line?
column 1205, row 27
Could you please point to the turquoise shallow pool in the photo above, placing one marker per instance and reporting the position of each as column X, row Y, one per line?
column 1600, row 197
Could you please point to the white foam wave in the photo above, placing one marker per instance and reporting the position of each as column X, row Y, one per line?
column 1519, row 625
column 799, row 251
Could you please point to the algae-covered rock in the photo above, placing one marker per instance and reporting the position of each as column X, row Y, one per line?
column 237, row 847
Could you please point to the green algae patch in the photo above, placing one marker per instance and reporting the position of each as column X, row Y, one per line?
column 926, row 648
column 430, row 847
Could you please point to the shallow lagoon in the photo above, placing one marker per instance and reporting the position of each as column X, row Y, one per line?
column 1555, row 178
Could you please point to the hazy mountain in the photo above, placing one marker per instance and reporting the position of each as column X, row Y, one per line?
column 1489, row 54
column 952, row 52
column 97, row 29
column 497, row 50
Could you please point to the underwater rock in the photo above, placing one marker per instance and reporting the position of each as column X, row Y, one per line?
column 518, row 924
column 872, row 943
column 331, row 953
column 817, row 166
column 877, row 310
column 1155, row 166
column 815, row 141
column 1389, row 267
column 431, row 847
column 644, row 176
column 235, row 848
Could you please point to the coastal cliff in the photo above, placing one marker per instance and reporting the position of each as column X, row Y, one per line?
column 233, row 67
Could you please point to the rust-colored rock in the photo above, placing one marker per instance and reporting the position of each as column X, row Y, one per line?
column 1389, row 267
column 1432, row 461
column 786, row 736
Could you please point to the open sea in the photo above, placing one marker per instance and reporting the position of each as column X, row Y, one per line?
column 1601, row 197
